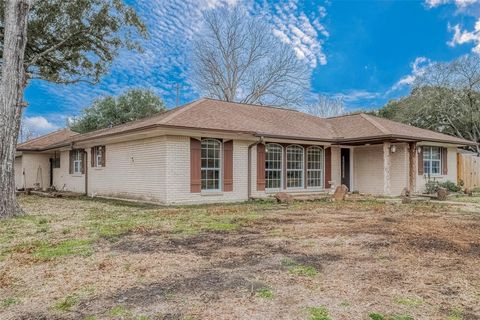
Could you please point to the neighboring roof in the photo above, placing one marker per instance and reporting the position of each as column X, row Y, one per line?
column 266, row 121
column 44, row 141
column 361, row 126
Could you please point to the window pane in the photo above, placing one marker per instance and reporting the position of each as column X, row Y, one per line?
column 435, row 167
column 273, row 166
column 210, row 164
column 295, row 165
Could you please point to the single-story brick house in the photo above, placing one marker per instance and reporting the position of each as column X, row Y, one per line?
column 216, row 151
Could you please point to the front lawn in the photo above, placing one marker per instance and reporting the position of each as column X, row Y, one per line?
column 99, row 259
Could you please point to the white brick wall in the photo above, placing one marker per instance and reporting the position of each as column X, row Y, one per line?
column 178, row 174
column 158, row 169
column 134, row 169
column 254, row 192
column 63, row 180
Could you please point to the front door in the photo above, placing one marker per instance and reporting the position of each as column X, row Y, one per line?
column 345, row 167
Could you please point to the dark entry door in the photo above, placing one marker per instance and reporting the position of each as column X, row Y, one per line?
column 345, row 167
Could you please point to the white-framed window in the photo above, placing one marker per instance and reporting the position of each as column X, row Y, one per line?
column 273, row 166
column 295, row 165
column 77, row 161
column 315, row 160
column 211, row 164
column 98, row 154
column 432, row 160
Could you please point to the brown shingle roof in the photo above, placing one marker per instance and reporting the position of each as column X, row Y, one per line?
column 364, row 126
column 44, row 141
column 216, row 115
column 234, row 117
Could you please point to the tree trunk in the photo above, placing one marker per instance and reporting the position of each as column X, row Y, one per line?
column 12, row 86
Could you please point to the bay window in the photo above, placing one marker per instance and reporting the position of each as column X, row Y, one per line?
column 273, row 166
column 295, row 164
column 314, row 167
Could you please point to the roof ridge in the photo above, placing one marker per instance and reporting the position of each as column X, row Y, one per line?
column 180, row 110
column 375, row 123
column 253, row 104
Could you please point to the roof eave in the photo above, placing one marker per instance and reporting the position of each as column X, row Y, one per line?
column 406, row 138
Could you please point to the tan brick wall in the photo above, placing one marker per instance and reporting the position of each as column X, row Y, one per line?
column 452, row 171
column 18, row 169
column 37, row 170
column 368, row 169
column 336, row 167
column 134, row 169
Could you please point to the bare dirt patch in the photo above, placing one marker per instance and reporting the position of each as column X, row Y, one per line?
column 84, row 259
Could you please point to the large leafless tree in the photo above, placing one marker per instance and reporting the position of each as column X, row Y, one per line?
column 326, row 107
column 237, row 58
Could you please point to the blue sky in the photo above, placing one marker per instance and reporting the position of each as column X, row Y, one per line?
column 365, row 52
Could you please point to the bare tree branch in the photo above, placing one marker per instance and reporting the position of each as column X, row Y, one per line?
column 237, row 58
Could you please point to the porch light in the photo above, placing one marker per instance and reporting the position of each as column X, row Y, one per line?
column 393, row 148
column 419, row 150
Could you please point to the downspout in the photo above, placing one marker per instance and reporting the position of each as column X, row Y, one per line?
column 86, row 172
column 250, row 165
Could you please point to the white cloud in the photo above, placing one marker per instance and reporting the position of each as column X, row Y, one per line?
column 38, row 124
column 304, row 33
column 459, row 3
column 355, row 95
column 164, row 61
column 461, row 36
column 418, row 69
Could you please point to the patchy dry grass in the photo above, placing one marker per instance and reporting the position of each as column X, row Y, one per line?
column 364, row 259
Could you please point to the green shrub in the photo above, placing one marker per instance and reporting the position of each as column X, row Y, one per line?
column 450, row 186
column 432, row 186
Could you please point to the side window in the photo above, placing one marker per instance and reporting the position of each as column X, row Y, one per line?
column 78, row 161
column 432, row 160
column 210, row 164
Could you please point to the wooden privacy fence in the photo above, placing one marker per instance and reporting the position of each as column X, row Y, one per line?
column 468, row 167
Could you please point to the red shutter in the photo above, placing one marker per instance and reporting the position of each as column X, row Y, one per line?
column 104, row 156
column 70, row 165
column 328, row 167
column 195, row 165
column 92, row 156
column 444, row 161
column 420, row 162
column 228, row 166
column 260, row 167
